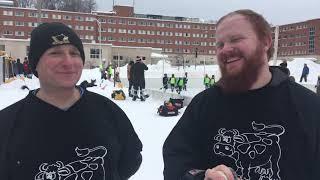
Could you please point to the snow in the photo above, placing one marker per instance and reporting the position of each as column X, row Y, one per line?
column 150, row 127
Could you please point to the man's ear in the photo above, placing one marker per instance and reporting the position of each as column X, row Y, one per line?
column 267, row 42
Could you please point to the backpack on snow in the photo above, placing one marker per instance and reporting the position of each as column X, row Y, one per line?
column 177, row 102
column 168, row 109
column 118, row 95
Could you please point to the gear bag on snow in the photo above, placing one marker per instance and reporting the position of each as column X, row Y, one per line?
column 177, row 102
column 118, row 95
column 167, row 109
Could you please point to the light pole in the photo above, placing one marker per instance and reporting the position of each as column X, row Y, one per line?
column 100, row 47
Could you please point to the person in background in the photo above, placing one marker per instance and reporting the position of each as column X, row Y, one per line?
column 26, row 68
column 63, row 131
column 180, row 84
column 130, row 77
column 165, row 81
column 243, row 127
column 185, row 80
column 173, row 82
column 139, row 82
column 305, row 73
column 212, row 81
column 318, row 86
column 206, row 81
column 284, row 67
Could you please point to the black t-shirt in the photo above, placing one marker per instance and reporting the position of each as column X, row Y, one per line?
column 93, row 139
column 261, row 134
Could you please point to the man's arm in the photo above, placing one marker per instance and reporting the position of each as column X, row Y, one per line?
column 181, row 150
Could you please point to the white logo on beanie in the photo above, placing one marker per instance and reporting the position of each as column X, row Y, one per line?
column 60, row 39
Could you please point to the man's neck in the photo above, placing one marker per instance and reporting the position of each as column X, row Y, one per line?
column 265, row 77
column 62, row 99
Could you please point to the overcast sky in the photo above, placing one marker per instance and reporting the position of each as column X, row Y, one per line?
column 277, row 12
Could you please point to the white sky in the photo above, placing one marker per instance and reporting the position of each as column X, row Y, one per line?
column 277, row 12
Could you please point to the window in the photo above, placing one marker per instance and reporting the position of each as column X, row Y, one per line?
column 19, row 13
column 112, row 30
column 89, row 28
column 32, row 24
column 130, row 31
column 89, row 19
column 2, row 47
column 94, row 53
column 7, row 32
column 44, row 15
column 89, row 37
column 8, row 23
column 117, row 57
column 19, row 33
column 131, row 40
column 122, row 39
column 122, row 21
column 110, row 38
column 56, row 16
column 33, row 14
column 79, row 27
column 111, row 21
column 19, row 23
column 8, row 13
column 122, row 31
column 79, row 18
column 67, row 17
column 131, row 22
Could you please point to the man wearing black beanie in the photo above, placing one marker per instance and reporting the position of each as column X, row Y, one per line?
column 63, row 131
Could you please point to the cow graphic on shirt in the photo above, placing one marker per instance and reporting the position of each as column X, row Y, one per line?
column 258, row 152
column 90, row 166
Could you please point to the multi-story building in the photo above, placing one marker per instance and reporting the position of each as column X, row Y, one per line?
column 122, row 35
column 184, row 40
column 300, row 39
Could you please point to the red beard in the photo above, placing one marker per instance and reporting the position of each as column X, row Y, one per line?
column 241, row 81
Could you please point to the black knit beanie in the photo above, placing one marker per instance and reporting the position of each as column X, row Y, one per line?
column 48, row 35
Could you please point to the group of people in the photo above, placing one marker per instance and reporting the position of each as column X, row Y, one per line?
column 209, row 82
column 136, row 78
column 174, row 83
column 19, row 69
column 254, row 123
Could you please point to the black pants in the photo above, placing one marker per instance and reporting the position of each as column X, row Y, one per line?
column 303, row 77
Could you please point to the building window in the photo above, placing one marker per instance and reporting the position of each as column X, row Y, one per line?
column 33, row 14
column 131, row 40
column 32, row 24
column 131, row 22
column 56, row 16
column 89, row 28
column 67, row 17
column 19, row 33
column 8, row 23
column 44, row 15
column 8, row 13
column 117, row 57
column 122, row 39
column 89, row 19
column 122, row 31
column 110, row 38
column 79, row 27
column 79, row 18
column 112, row 30
column 122, row 21
column 7, row 32
column 19, row 13
column 111, row 21
column 94, row 53
column 19, row 23
column 130, row 31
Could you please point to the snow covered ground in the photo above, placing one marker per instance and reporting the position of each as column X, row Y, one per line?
column 151, row 128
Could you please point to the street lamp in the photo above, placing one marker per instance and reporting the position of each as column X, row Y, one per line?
column 100, row 48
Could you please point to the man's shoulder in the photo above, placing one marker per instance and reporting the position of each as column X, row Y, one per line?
column 304, row 95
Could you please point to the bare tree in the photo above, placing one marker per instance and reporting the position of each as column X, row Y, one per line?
column 26, row 3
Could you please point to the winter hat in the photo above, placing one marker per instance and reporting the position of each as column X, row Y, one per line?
column 48, row 35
